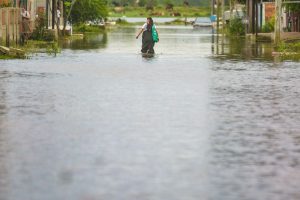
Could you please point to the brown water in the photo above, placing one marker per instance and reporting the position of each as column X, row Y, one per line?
column 199, row 120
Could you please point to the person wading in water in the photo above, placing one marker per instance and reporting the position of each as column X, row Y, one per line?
column 147, row 38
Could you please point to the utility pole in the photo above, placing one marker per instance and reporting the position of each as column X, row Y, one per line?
column 277, row 29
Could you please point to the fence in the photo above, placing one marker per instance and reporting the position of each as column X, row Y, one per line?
column 10, row 25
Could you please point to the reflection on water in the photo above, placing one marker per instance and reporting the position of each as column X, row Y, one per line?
column 89, row 41
column 241, row 48
column 200, row 120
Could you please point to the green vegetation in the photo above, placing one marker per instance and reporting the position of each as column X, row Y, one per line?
column 53, row 49
column 294, row 7
column 269, row 26
column 13, row 52
column 85, row 10
column 84, row 28
column 236, row 27
column 4, row 57
column 289, row 51
column 159, row 11
column 40, row 32
column 38, row 46
column 286, row 47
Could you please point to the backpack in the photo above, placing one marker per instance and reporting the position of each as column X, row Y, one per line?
column 154, row 34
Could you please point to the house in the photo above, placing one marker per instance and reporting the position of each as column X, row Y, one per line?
column 13, row 27
column 289, row 19
column 43, row 7
column 292, row 20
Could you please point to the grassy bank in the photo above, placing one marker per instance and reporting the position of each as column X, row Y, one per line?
column 35, row 46
column 289, row 50
column 5, row 57
column 159, row 11
column 287, row 47
column 32, row 47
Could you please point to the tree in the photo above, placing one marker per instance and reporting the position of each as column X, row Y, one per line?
column 186, row 3
column 142, row 3
column 81, row 11
column 294, row 7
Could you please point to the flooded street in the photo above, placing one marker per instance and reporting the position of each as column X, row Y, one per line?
column 200, row 120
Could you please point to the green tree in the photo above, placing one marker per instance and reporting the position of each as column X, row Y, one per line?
column 294, row 7
column 81, row 11
column 142, row 3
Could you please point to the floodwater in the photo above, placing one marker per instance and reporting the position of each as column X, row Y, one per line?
column 204, row 119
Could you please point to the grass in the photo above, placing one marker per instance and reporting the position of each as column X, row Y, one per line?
column 159, row 11
column 5, row 57
column 32, row 47
column 289, row 50
column 290, row 47
column 36, row 46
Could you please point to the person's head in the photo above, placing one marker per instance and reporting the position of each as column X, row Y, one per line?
column 149, row 23
column 149, row 20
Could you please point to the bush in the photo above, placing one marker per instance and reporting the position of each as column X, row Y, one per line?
column 236, row 27
column 169, row 6
column 142, row 3
column 288, row 47
column 53, row 49
column 40, row 32
column 268, row 26
column 50, row 35
column 40, row 27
